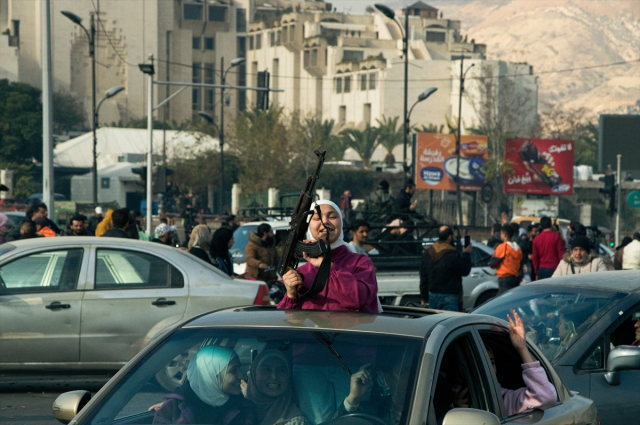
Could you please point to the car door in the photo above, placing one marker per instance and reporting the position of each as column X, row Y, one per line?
column 608, row 397
column 40, row 306
column 480, row 273
column 133, row 295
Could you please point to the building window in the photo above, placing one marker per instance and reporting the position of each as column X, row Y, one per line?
column 436, row 36
column 363, row 82
column 338, row 82
column 272, row 38
column 209, row 70
column 366, row 113
column 209, row 43
column 342, row 115
column 314, row 57
column 208, row 100
column 258, row 41
column 242, row 47
column 217, row 13
column 195, row 43
column 279, row 38
column 347, row 84
column 195, row 99
column 241, row 20
column 353, row 55
column 372, row 81
column 192, row 12
column 105, row 182
column 196, row 74
column 292, row 32
column 285, row 34
column 307, row 55
column 251, row 43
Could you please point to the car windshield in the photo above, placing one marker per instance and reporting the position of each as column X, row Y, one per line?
column 240, row 241
column 554, row 316
column 300, row 373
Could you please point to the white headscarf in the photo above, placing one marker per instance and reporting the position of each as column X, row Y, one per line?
column 206, row 374
column 340, row 241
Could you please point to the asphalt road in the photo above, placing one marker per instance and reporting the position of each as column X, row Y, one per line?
column 27, row 399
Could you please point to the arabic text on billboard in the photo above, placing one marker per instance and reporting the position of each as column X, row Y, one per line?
column 436, row 161
column 540, row 166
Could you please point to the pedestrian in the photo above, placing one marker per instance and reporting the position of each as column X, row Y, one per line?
column 95, row 219
column 380, row 202
column 4, row 227
column 507, row 259
column 403, row 201
column 345, row 205
column 43, row 228
column 119, row 221
column 619, row 255
column 631, row 257
column 105, row 224
column 548, row 250
column 441, row 271
column 199, row 243
column 76, row 227
column 164, row 234
column 578, row 230
column 359, row 236
column 28, row 230
column 44, row 212
column 495, row 239
column 351, row 284
column 581, row 259
column 221, row 242
column 15, row 232
column 260, row 254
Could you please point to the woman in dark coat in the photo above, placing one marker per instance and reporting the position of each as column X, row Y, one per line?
column 221, row 242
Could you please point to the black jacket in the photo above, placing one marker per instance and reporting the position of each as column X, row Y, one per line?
column 403, row 201
column 115, row 233
column 442, row 270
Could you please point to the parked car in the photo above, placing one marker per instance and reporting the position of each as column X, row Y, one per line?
column 90, row 304
column 15, row 217
column 398, row 277
column 577, row 322
column 426, row 352
column 37, row 198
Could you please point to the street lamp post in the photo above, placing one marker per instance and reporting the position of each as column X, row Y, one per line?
column 389, row 13
column 459, row 195
column 92, row 52
column 234, row 63
column 422, row 96
column 148, row 68
column 107, row 95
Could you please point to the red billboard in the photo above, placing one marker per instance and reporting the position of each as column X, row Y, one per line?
column 542, row 167
column 436, row 161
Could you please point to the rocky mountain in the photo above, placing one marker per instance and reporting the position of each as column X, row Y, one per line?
column 556, row 35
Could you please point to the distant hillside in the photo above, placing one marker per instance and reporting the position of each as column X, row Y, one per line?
column 561, row 34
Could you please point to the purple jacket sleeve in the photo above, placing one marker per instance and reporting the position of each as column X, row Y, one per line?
column 538, row 393
column 288, row 303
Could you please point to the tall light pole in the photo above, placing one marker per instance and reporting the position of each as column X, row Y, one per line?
column 47, row 112
column 389, row 13
column 92, row 52
column 148, row 69
column 234, row 63
column 422, row 96
column 107, row 95
column 462, row 75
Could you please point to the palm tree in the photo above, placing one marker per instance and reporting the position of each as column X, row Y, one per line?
column 390, row 136
column 431, row 128
column 364, row 142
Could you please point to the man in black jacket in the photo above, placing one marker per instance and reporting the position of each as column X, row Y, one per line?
column 404, row 198
column 441, row 272
column 120, row 220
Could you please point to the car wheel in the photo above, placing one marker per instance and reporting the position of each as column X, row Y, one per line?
column 174, row 374
column 486, row 296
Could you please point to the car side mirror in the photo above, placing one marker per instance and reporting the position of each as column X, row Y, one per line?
column 470, row 417
column 625, row 357
column 67, row 405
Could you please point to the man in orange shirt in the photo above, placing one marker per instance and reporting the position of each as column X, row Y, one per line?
column 506, row 260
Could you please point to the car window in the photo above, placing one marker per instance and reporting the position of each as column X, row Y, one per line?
column 123, row 269
column 459, row 382
column 479, row 258
column 42, row 272
column 240, row 241
column 554, row 317
column 311, row 367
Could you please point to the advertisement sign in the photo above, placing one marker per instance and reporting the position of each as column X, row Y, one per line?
column 436, row 161
column 543, row 167
column 527, row 207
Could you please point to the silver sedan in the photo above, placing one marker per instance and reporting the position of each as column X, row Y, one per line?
column 90, row 304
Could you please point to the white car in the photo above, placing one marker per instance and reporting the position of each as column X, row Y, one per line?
column 241, row 239
column 90, row 304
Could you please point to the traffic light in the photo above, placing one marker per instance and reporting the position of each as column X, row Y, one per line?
column 263, row 95
column 160, row 178
column 142, row 172
column 613, row 206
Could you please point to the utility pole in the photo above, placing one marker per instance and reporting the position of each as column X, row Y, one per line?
column 92, row 53
column 618, row 202
column 406, row 88
column 459, row 195
column 223, row 82
column 47, row 112
column 150, row 152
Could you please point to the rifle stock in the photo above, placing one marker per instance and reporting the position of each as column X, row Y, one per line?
column 299, row 224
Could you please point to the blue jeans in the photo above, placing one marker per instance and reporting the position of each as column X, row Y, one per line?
column 545, row 273
column 443, row 301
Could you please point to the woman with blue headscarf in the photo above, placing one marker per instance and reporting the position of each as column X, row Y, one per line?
column 211, row 393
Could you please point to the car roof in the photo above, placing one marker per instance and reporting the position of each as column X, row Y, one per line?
column 277, row 223
column 16, row 213
column 399, row 321
column 621, row 281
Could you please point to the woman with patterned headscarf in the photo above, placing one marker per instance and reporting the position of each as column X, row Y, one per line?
column 211, row 394
column 199, row 242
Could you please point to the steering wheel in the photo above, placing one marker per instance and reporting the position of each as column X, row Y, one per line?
column 371, row 418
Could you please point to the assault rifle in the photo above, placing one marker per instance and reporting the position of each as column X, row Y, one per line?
column 295, row 246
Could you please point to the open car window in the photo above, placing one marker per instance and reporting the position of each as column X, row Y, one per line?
column 320, row 364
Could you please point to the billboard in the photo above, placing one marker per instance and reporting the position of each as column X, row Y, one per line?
column 542, row 167
column 436, row 161
column 619, row 134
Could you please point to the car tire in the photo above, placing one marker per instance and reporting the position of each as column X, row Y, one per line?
column 174, row 374
column 485, row 296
